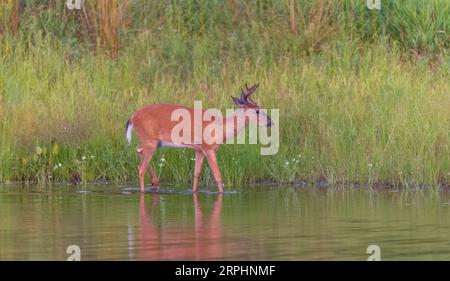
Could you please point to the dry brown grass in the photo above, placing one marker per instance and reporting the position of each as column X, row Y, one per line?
column 318, row 24
column 104, row 20
column 15, row 13
column 9, row 16
column 292, row 17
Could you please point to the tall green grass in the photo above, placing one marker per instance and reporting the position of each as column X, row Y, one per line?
column 363, row 95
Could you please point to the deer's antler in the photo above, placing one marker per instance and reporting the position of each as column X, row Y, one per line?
column 245, row 95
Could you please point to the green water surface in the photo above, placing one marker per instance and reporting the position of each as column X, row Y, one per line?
column 116, row 222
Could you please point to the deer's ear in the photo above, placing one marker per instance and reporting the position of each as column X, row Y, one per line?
column 236, row 101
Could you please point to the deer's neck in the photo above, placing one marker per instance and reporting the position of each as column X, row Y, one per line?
column 234, row 124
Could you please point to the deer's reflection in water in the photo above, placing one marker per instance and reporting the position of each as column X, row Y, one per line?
column 195, row 240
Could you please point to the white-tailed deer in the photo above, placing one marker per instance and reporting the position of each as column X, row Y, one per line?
column 154, row 123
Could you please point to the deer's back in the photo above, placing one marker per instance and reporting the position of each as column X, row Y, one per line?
column 154, row 122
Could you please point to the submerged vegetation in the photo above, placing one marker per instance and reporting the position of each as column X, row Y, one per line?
column 364, row 95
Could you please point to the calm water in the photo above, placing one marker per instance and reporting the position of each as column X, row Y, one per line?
column 257, row 223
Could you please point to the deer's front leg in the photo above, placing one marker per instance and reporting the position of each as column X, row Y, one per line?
column 212, row 161
column 199, row 156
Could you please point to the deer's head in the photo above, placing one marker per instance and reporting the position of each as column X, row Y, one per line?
column 251, row 109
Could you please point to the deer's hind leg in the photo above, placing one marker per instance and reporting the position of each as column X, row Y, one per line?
column 145, row 153
column 155, row 181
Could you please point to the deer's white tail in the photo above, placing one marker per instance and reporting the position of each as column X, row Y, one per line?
column 128, row 129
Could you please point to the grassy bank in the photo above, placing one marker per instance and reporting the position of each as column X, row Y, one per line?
column 364, row 96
